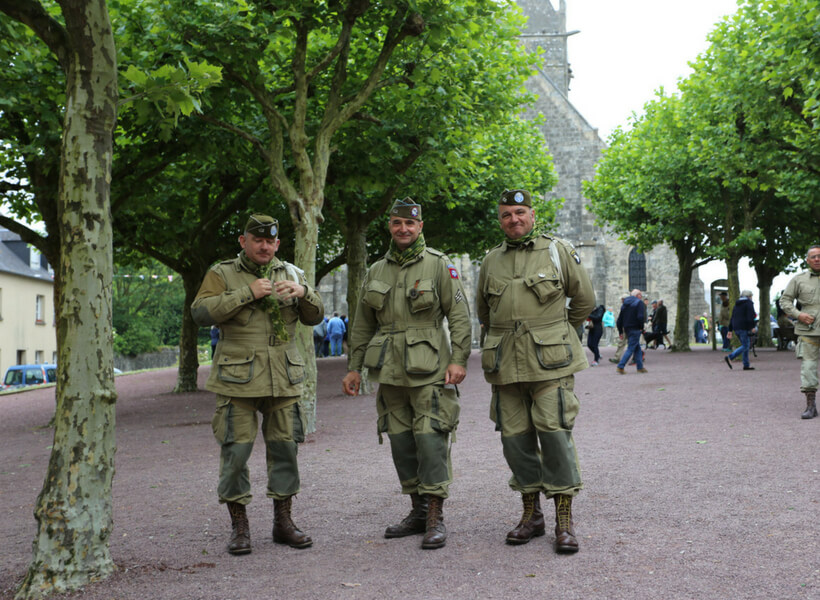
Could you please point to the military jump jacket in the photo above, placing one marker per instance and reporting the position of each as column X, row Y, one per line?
column 522, row 297
column 250, row 361
column 805, row 288
column 398, row 334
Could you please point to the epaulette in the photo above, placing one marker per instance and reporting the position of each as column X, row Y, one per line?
column 435, row 252
column 547, row 236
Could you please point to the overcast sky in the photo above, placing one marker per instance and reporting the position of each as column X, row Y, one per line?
column 628, row 49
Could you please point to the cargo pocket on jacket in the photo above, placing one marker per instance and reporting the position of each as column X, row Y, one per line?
column 421, row 295
column 551, row 349
column 491, row 353
column 235, row 369
column 545, row 288
column 420, row 355
column 376, row 351
column 445, row 409
column 375, row 293
column 295, row 366
column 493, row 291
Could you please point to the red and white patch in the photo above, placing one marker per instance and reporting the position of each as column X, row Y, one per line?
column 453, row 272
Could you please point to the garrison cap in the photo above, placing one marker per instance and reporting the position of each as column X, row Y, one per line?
column 516, row 198
column 262, row 226
column 406, row 209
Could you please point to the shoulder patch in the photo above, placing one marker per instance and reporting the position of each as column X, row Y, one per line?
column 453, row 271
column 574, row 255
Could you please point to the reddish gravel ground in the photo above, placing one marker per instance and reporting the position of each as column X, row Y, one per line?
column 700, row 482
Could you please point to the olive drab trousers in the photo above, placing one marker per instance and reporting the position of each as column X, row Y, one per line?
column 418, row 422
column 535, row 420
column 235, row 425
column 809, row 351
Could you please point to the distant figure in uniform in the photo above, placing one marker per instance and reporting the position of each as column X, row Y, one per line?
column 805, row 289
column 530, row 354
column 398, row 335
column 256, row 300
column 724, row 318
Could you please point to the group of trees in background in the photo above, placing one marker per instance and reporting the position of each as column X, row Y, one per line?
column 729, row 166
column 318, row 113
column 321, row 114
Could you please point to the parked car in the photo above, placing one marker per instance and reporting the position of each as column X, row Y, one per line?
column 23, row 375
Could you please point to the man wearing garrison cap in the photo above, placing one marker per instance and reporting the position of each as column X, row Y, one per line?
column 397, row 335
column 256, row 300
column 533, row 293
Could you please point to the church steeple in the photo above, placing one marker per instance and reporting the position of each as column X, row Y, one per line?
column 547, row 29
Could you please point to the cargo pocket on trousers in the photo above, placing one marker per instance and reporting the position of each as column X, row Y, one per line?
column 221, row 422
column 420, row 355
column 381, row 416
column 568, row 407
column 445, row 409
column 299, row 424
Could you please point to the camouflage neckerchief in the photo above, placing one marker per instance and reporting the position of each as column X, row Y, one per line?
column 270, row 304
column 524, row 238
column 405, row 256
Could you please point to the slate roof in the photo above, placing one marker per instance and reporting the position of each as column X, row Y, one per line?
column 14, row 258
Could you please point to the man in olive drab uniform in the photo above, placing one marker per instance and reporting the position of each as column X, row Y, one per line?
column 805, row 289
column 529, row 356
column 398, row 335
column 256, row 300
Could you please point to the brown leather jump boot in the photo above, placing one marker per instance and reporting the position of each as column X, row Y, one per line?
column 532, row 521
column 811, row 406
column 240, row 542
column 565, row 541
column 436, row 534
column 412, row 524
column 284, row 530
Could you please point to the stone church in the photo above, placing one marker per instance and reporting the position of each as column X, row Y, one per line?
column 575, row 145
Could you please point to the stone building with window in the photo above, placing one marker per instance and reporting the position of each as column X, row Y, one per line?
column 27, row 317
column 615, row 268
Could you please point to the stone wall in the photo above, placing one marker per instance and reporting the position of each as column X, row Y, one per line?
column 166, row 357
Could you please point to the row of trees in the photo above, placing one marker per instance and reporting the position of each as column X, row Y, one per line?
column 318, row 112
column 729, row 166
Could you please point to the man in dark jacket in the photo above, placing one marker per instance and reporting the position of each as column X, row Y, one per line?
column 742, row 323
column 631, row 321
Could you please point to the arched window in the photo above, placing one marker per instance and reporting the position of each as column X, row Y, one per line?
column 637, row 271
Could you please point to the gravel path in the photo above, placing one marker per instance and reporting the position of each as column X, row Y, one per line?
column 700, row 482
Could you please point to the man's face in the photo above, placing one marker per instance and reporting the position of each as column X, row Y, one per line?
column 404, row 231
column 813, row 258
column 516, row 221
column 260, row 250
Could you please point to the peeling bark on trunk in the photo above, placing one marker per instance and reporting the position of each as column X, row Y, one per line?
column 307, row 236
column 74, row 508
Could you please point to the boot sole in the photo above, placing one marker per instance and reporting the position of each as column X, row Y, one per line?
column 239, row 552
column 520, row 542
column 391, row 536
column 566, row 549
column 287, row 543
column 433, row 546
